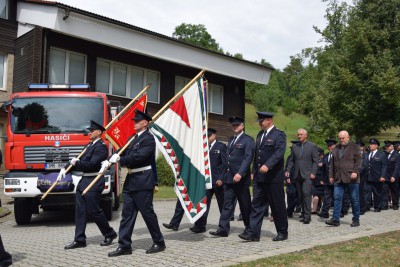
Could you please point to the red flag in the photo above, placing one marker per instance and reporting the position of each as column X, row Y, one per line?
column 121, row 130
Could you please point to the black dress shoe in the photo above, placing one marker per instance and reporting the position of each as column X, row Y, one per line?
column 249, row 238
column 171, row 226
column 232, row 218
column 332, row 222
column 306, row 221
column 240, row 218
column 301, row 216
column 395, row 208
column 377, row 210
column 280, row 237
column 120, row 251
column 218, row 233
column 323, row 215
column 108, row 240
column 355, row 224
column 156, row 248
column 6, row 262
column 385, row 208
column 75, row 244
column 197, row 230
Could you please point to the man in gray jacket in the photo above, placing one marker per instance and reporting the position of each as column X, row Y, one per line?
column 303, row 165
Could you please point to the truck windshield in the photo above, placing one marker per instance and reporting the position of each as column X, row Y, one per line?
column 55, row 114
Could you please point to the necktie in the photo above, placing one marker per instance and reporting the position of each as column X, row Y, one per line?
column 263, row 136
column 301, row 151
column 371, row 156
column 389, row 155
column 329, row 157
column 233, row 141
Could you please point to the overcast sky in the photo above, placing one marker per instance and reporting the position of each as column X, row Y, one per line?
column 272, row 30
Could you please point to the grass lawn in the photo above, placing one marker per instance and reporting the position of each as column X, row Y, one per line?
column 379, row 250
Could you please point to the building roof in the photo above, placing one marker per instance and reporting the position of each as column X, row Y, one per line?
column 83, row 24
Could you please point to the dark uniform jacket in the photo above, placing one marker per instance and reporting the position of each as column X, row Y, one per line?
column 392, row 165
column 139, row 153
column 218, row 161
column 239, row 158
column 304, row 160
column 90, row 162
column 341, row 166
column 270, row 153
column 376, row 167
column 325, row 168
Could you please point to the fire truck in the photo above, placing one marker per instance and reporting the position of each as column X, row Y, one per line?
column 47, row 127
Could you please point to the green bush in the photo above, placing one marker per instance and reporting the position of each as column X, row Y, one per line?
column 164, row 172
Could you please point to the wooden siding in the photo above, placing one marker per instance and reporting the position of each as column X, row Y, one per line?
column 28, row 57
column 8, row 34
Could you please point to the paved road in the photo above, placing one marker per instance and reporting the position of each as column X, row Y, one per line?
column 42, row 243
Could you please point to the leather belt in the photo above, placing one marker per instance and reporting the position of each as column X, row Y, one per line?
column 90, row 174
column 130, row 171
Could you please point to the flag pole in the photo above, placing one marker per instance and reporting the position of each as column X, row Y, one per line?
column 155, row 117
column 141, row 93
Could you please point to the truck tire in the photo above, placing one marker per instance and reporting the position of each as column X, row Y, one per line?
column 107, row 207
column 23, row 210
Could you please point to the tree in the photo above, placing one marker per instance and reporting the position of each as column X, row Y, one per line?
column 361, row 67
column 196, row 35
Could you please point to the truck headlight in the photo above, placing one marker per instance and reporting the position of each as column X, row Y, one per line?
column 9, row 181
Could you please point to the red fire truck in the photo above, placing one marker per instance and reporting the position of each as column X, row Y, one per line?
column 47, row 127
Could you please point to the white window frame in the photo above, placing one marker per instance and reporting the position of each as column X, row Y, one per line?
column 186, row 81
column 128, row 79
column 3, row 86
column 210, row 99
column 6, row 4
column 66, row 69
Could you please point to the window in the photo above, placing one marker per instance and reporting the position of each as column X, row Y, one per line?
column 3, row 9
column 66, row 67
column 3, row 72
column 127, row 81
column 215, row 99
column 215, row 94
column 180, row 82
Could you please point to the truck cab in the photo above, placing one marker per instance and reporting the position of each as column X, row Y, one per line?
column 47, row 127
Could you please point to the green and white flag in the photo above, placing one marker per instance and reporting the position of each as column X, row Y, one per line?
column 181, row 132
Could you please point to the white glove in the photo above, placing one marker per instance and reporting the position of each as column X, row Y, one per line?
column 114, row 158
column 61, row 174
column 74, row 160
column 104, row 166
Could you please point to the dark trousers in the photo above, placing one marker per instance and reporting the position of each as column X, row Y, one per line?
column 362, row 193
column 242, row 193
column 178, row 214
column 373, row 189
column 292, row 197
column 219, row 194
column 134, row 202
column 4, row 255
column 394, row 191
column 90, row 204
column 328, row 197
column 385, row 195
column 304, row 190
column 275, row 196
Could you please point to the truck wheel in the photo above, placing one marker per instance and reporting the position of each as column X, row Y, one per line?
column 106, row 205
column 23, row 210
